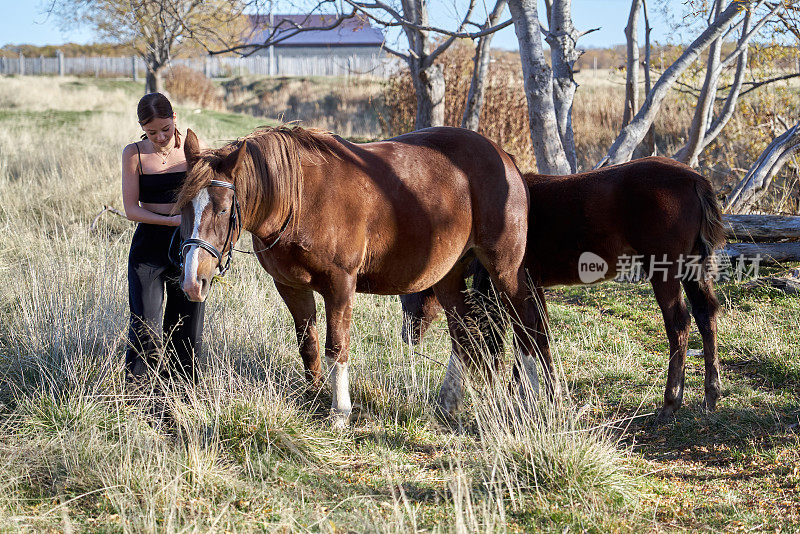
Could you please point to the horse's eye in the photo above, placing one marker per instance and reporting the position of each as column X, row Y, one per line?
column 223, row 211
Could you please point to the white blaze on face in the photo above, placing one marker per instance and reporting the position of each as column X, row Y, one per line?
column 340, row 386
column 192, row 262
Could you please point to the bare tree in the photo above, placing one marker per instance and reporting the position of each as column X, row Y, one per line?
column 549, row 91
column 632, row 134
column 705, row 126
column 154, row 28
column 632, row 65
column 477, row 86
column 562, row 36
column 412, row 17
column 650, row 138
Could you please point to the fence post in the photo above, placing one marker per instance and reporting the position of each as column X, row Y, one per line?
column 60, row 63
column 134, row 74
column 21, row 64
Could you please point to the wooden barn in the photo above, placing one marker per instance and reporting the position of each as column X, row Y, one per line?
column 354, row 38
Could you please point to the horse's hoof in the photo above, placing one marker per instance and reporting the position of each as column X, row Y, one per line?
column 708, row 405
column 447, row 419
column 665, row 415
column 339, row 423
column 339, row 420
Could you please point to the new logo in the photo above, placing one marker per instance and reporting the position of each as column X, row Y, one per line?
column 591, row 268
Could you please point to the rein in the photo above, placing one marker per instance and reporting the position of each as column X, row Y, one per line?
column 234, row 221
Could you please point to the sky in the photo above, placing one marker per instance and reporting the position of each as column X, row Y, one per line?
column 24, row 22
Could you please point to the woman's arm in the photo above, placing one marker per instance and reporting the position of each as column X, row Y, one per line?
column 130, row 193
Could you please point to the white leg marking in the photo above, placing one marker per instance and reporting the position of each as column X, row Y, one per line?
column 451, row 396
column 529, row 376
column 340, row 386
column 191, row 263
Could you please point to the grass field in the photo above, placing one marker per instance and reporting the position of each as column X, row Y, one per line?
column 249, row 449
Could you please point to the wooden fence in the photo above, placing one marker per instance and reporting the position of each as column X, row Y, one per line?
column 213, row 67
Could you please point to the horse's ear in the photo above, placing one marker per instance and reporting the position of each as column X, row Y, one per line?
column 191, row 148
column 233, row 161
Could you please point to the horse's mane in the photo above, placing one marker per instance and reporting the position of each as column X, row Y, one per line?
column 270, row 181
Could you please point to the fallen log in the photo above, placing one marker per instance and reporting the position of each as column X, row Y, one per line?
column 760, row 228
column 769, row 253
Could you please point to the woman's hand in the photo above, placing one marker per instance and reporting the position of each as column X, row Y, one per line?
column 175, row 220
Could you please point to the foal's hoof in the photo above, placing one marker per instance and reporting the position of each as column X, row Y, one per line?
column 708, row 405
column 665, row 415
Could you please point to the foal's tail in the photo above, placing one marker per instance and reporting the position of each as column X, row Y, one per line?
column 712, row 232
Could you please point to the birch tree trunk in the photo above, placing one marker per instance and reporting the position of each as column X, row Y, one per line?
column 538, row 81
column 650, row 138
column 429, row 86
column 427, row 78
column 562, row 38
column 477, row 86
column 632, row 65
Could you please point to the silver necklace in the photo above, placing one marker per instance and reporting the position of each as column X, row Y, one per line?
column 164, row 157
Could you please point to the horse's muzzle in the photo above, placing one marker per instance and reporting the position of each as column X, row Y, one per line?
column 195, row 287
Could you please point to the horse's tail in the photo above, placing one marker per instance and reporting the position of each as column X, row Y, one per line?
column 712, row 232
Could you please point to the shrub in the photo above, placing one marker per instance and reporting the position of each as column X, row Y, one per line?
column 504, row 117
column 190, row 86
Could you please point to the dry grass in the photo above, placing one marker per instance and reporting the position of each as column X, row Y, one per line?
column 347, row 106
column 190, row 87
column 249, row 449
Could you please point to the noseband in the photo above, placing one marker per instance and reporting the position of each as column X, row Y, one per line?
column 234, row 221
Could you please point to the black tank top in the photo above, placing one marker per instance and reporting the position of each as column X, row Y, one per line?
column 159, row 188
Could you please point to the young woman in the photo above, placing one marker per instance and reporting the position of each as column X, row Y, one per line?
column 152, row 171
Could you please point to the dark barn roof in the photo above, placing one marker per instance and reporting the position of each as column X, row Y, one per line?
column 352, row 32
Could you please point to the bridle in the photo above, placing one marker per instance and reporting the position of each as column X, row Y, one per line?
column 234, row 221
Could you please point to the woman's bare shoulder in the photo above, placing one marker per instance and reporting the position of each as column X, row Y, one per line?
column 130, row 149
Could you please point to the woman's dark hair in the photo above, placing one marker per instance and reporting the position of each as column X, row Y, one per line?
column 156, row 106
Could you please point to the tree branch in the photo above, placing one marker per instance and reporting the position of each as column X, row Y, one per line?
column 759, row 176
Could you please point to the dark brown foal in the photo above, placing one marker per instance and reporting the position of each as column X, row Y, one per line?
column 655, row 209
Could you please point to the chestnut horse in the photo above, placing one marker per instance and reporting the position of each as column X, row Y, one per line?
column 389, row 217
column 656, row 210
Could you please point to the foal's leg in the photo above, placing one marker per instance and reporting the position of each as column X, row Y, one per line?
column 338, row 316
column 450, row 293
column 419, row 311
column 705, row 308
column 304, row 312
column 676, row 320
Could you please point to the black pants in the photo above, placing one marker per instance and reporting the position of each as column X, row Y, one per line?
column 153, row 285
